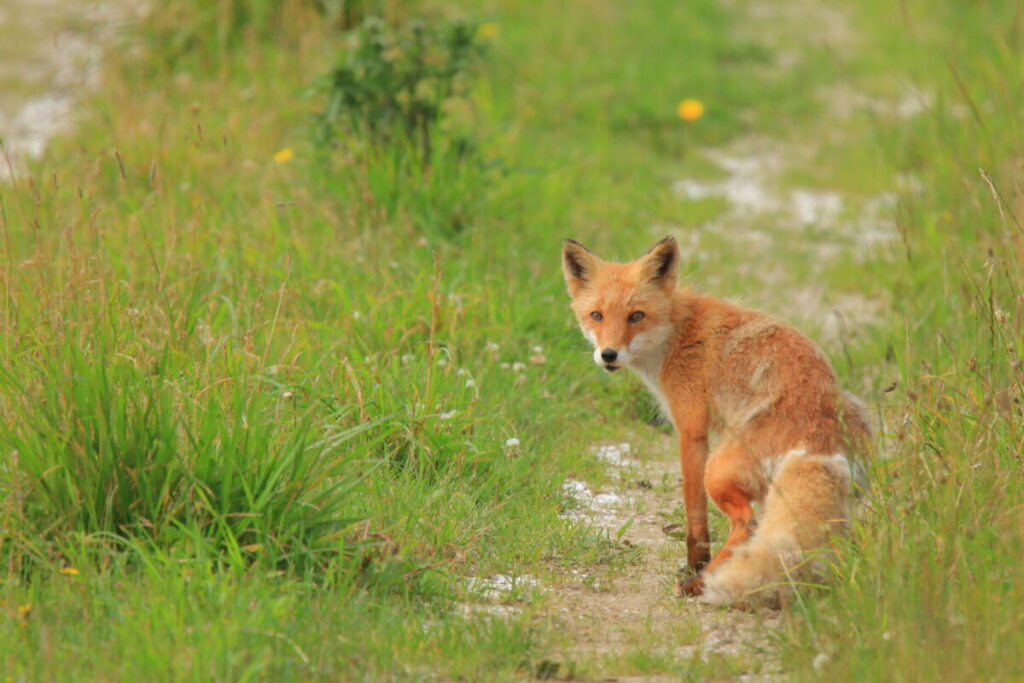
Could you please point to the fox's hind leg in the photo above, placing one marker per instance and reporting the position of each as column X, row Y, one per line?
column 731, row 480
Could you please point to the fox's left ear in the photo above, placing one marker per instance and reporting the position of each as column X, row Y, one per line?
column 661, row 263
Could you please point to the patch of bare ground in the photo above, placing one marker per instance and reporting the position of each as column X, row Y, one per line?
column 627, row 625
column 813, row 227
column 49, row 57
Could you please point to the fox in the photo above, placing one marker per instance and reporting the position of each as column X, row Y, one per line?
column 789, row 440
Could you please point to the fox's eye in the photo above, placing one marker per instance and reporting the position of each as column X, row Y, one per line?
column 596, row 315
column 636, row 316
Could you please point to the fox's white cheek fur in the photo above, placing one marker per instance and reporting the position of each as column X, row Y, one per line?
column 645, row 342
column 639, row 343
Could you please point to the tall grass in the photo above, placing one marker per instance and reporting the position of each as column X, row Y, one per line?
column 930, row 590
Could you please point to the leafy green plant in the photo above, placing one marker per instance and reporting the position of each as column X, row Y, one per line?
column 395, row 82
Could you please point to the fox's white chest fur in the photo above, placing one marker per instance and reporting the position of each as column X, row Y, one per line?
column 648, row 365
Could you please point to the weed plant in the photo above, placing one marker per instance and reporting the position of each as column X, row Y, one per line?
column 396, row 82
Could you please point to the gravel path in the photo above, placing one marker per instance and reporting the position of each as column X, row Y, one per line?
column 605, row 619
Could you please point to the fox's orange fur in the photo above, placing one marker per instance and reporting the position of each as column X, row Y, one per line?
column 786, row 430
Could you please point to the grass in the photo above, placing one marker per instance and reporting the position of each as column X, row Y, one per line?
column 257, row 413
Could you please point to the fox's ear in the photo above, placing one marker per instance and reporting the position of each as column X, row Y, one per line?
column 661, row 263
column 578, row 263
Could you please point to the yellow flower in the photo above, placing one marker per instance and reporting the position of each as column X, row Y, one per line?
column 284, row 155
column 23, row 610
column 70, row 571
column 690, row 110
column 487, row 31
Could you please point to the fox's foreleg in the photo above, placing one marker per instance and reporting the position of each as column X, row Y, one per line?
column 693, row 452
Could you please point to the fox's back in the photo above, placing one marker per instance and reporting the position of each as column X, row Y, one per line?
column 761, row 376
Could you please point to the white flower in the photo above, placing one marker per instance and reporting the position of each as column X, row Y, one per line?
column 518, row 367
column 512, row 443
column 470, row 383
column 407, row 358
column 448, row 415
column 442, row 362
column 505, row 366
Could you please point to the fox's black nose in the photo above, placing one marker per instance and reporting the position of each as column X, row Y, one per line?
column 609, row 355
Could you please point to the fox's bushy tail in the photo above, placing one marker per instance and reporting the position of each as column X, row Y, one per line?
column 808, row 500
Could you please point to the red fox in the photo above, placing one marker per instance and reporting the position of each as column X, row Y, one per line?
column 785, row 428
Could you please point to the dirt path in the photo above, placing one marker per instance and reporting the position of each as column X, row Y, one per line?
column 50, row 55
column 628, row 624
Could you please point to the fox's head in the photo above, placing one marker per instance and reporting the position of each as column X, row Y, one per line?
column 624, row 309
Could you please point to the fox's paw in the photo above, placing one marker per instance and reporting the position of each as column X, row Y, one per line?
column 689, row 586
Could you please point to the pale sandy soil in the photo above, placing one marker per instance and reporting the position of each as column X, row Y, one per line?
column 50, row 54
column 635, row 611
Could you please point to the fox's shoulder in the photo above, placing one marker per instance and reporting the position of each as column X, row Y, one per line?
column 705, row 314
column 713, row 322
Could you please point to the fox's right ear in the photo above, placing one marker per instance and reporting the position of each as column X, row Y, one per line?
column 578, row 264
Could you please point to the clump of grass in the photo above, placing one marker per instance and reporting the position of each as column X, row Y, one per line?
column 101, row 448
